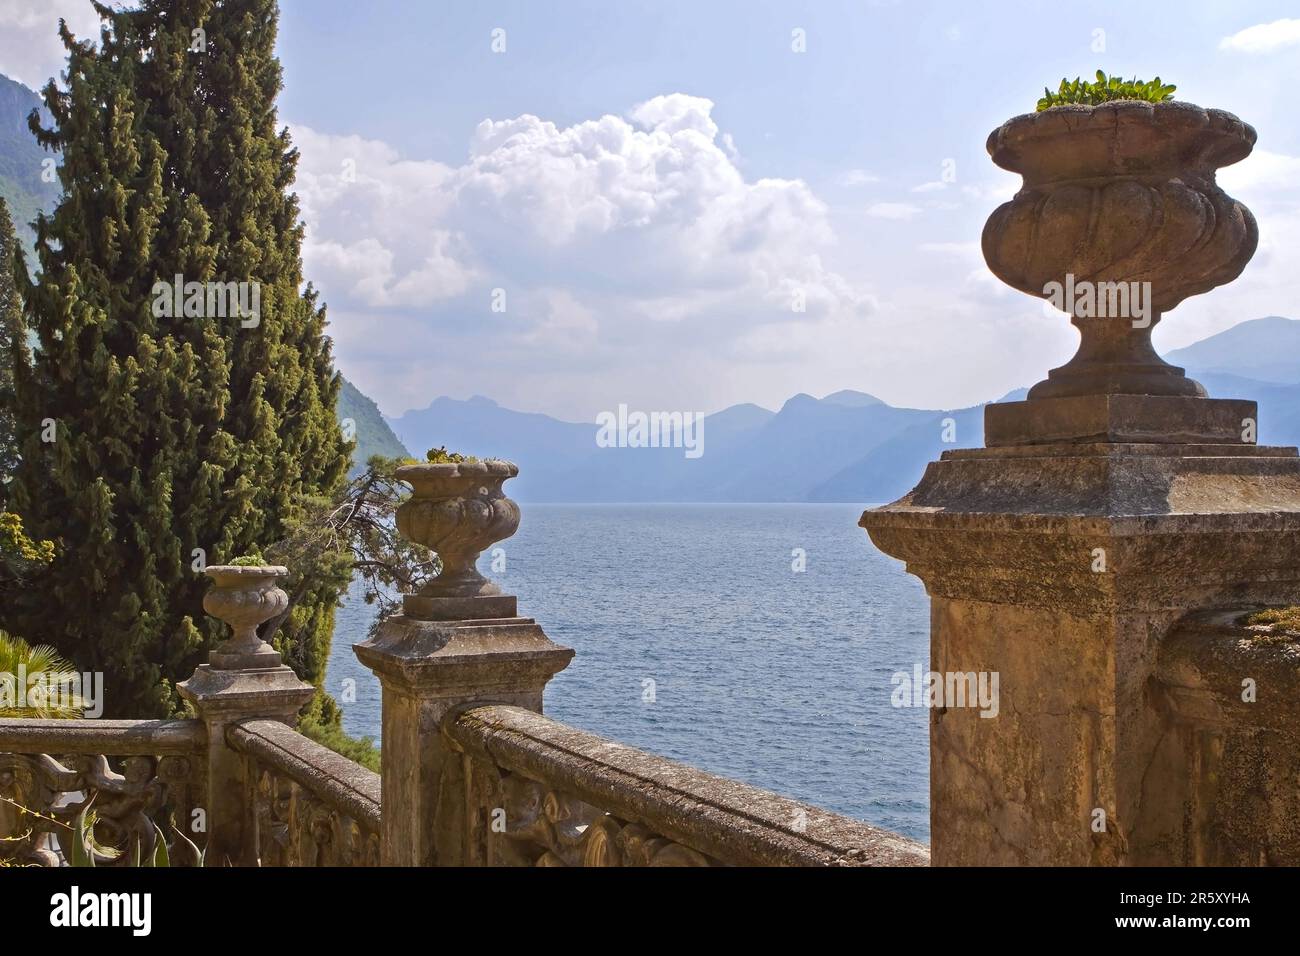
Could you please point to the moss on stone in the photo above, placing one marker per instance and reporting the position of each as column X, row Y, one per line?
column 1283, row 623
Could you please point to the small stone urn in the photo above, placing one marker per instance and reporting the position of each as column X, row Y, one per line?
column 457, row 510
column 244, row 597
column 1119, row 220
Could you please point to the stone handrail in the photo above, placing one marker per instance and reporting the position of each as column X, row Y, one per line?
column 108, row 737
column 546, row 794
column 54, row 768
column 310, row 806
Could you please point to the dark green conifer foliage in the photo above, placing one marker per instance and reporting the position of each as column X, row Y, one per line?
column 179, row 438
column 13, row 346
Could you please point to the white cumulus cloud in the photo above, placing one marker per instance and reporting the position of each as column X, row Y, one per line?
column 33, row 52
column 595, row 233
column 1263, row 37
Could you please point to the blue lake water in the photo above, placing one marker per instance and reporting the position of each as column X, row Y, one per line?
column 775, row 677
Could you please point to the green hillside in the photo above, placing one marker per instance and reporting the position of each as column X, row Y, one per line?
column 373, row 435
column 21, row 183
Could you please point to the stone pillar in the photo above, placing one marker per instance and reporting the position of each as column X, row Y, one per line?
column 244, row 678
column 457, row 643
column 1109, row 505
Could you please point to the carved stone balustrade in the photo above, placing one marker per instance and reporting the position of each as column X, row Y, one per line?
column 139, row 777
column 239, row 783
column 312, row 807
column 544, row 794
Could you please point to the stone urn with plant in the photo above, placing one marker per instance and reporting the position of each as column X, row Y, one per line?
column 1119, row 219
column 458, row 509
column 245, row 594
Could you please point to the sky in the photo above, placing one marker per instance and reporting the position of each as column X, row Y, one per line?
column 571, row 206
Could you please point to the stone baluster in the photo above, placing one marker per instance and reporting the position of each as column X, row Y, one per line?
column 244, row 678
column 457, row 643
column 1110, row 504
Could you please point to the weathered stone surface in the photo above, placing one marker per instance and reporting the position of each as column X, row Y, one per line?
column 1138, row 419
column 547, row 776
column 1007, row 542
column 310, row 806
column 245, row 596
column 108, row 737
column 1121, row 191
column 457, row 510
column 1222, row 784
column 242, row 681
column 222, row 697
column 347, row 786
column 265, row 692
column 479, row 607
column 452, row 659
column 428, row 669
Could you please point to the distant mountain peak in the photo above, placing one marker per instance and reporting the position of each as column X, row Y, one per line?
column 801, row 400
column 852, row 399
column 847, row 447
column 1266, row 350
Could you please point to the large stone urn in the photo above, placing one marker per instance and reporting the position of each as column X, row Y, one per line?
column 1119, row 220
column 458, row 510
column 245, row 597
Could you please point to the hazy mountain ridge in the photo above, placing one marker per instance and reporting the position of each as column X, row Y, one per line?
column 1264, row 350
column 21, row 158
column 750, row 454
column 848, row 446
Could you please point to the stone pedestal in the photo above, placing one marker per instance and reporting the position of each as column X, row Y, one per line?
column 457, row 644
column 478, row 607
column 1114, row 501
column 1139, row 419
column 1061, row 568
column 222, row 698
column 244, row 679
column 428, row 670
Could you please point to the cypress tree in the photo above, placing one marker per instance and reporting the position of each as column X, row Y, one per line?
column 178, row 439
column 13, row 346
